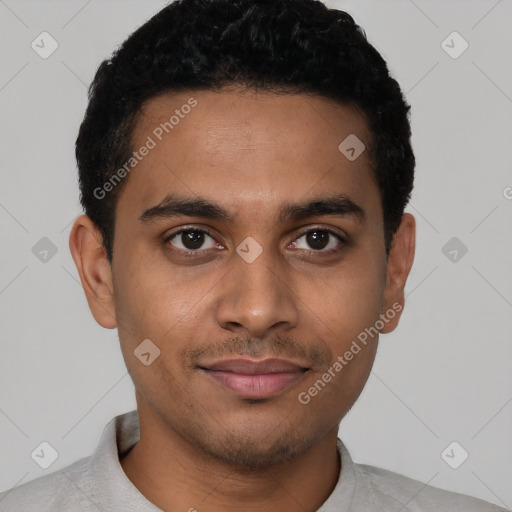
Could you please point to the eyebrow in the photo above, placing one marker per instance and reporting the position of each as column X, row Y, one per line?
column 174, row 205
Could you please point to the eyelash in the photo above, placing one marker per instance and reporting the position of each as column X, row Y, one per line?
column 192, row 229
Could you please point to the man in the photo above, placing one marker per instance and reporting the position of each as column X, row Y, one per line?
column 244, row 168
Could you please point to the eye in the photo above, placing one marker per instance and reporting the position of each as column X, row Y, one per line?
column 320, row 240
column 191, row 240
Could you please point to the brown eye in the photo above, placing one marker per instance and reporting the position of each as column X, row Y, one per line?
column 317, row 239
column 191, row 240
column 321, row 240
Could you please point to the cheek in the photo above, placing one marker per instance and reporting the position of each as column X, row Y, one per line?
column 150, row 296
column 166, row 307
column 349, row 301
column 152, row 306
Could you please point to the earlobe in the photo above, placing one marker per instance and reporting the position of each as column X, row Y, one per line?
column 400, row 260
column 85, row 244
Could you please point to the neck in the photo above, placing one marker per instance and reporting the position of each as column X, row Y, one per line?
column 174, row 475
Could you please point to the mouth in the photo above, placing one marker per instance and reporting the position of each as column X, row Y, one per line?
column 255, row 379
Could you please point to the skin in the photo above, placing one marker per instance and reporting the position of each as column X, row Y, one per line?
column 201, row 445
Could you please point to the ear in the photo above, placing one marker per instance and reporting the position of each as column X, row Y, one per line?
column 85, row 244
column 400, row 259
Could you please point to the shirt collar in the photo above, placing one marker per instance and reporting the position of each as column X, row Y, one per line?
column 112, row 488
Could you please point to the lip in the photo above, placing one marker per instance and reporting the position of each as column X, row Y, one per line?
column 256, row 379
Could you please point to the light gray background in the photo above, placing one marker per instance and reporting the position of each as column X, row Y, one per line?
column 442, row 376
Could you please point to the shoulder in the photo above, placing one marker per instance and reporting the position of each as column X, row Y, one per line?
column 66, row 489
column 406, row 494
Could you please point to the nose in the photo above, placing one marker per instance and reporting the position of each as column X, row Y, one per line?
column 257, row 297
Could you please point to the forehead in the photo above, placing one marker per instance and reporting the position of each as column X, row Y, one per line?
column 246, row 150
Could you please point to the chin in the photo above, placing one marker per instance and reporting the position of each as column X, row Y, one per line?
column 254, row 451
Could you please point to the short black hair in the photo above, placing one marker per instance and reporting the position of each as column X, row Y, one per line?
column 281, row 46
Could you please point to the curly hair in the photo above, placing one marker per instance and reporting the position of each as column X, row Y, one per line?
column 285, row 46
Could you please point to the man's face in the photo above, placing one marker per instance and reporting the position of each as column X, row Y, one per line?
column 261, row 284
